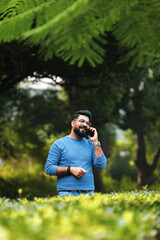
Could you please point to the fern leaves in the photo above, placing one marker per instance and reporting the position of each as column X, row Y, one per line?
column 75, row 29
column 59, row 27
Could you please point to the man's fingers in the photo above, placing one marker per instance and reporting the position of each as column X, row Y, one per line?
column 83, row 171
column 78, row 172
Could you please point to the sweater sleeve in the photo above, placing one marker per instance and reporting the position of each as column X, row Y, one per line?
column 52, row 159
column 99, row 162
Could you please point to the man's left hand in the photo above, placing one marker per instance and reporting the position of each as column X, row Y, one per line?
column 94, row 139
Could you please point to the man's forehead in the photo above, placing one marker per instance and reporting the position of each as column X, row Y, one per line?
column 83, row 117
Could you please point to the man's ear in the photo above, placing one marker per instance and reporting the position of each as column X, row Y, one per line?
column 72, row 123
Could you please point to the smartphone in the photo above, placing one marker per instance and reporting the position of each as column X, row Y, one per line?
column 90, row 133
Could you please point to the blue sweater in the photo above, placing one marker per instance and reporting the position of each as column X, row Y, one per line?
column 68, row 151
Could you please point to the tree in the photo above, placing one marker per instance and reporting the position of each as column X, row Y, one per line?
column 139, row 111
column 76, row 30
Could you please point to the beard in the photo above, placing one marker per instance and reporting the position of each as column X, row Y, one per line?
column 79, row 132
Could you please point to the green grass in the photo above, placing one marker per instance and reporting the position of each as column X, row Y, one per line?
column 128, row 215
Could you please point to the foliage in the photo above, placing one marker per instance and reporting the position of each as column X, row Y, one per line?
column 25, row 128
column 127, row 184
column 139, row 106
column 76, row 30
column 121, row 162
column 28, row 176
column 103, row 98
column 139, row 111
column 107, row 135
column 130, row 215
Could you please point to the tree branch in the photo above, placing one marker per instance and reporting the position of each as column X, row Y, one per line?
column 8, row 48
column 63, row 83
column 140, row 160
column 11, row 50
column 80, row 85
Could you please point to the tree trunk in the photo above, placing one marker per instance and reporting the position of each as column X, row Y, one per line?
column 99, row 186
column 74, row 96
column 145, row 170
column 75, row 103
column 144, row 176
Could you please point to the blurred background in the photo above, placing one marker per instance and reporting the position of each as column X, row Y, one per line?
column 39, row 93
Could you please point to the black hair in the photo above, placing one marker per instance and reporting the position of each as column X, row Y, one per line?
column 82, row 112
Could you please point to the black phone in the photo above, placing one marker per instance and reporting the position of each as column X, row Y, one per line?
column 90, row 133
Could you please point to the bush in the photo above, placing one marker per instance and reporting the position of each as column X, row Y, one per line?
column 130, row 215
column 31, row 179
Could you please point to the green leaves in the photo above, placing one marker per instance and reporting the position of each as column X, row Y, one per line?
column 131, row 215
column 69, row 34
column 61, row 27
column 75, row 30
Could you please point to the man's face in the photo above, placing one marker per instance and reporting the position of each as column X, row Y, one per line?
column 81, row 125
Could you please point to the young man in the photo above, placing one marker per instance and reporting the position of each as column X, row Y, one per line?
column 71, row 157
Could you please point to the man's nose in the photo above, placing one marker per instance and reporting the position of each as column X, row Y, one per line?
column 85, row 124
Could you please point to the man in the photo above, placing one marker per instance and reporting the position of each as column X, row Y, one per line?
column 71, row 157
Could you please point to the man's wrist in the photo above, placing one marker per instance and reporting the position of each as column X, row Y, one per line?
column 68, row 170
column 97, row 144
column 95, row 141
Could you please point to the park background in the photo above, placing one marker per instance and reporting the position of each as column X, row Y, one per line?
column 59, row 57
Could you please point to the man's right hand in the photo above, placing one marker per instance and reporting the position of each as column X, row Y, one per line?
column 77, row 171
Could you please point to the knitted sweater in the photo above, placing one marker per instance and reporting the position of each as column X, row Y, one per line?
column 72, row 152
